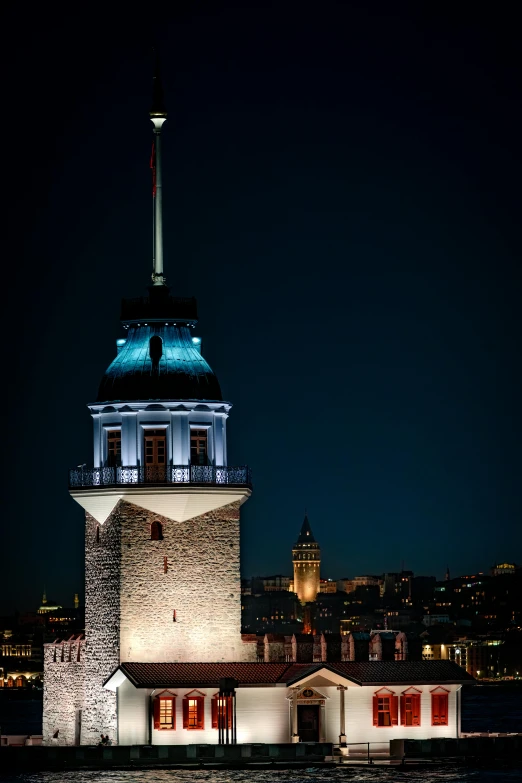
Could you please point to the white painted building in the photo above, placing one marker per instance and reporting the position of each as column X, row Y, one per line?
column 284, row 702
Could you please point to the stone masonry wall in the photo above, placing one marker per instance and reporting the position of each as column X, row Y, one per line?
column 63, row 691
column 102, row 624
column 181, row 596
column 177, row 599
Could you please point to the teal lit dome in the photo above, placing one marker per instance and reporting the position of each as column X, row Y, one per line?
column 160, row 358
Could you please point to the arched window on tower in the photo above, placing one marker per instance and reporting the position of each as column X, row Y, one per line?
column 156, row 531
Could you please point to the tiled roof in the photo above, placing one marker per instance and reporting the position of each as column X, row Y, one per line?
column 395, row 672
column 192, row 675
column 149, row 675
column 297, row 671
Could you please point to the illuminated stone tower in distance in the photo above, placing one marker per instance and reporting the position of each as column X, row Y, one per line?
column 306, row 555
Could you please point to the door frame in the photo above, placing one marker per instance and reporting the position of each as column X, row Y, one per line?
column 317, row 707
column 153, row 425
column 313, row 697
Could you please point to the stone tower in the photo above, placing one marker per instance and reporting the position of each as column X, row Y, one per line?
column 162, row 504
column 306, row 555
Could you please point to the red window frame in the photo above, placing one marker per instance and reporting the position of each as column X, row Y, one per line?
column 385, row 704
column 219, row 703
column 410, row 704
column 439, row 707
column 194, row 714
column 159, row 705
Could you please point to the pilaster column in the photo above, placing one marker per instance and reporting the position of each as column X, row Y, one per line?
column 129, row 436
column 97, row 433
column 176, row 439
column 342, row 715
column 295, row 735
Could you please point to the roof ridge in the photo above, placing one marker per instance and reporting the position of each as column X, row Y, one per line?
column 207, row 673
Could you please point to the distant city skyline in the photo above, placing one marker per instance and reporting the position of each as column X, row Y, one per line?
column 64, row 600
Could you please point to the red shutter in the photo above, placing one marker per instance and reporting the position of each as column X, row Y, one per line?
column 214, row 714
column 156, row 713
column 376, row 710
column 415, row 708
column 443, row 709
column 185, row 713
column 439, row 709
column 394, row 710
column 403, row 710
column 201, row 713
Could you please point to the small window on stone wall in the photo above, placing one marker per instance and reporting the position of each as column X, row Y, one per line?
column 173, row 615
column 156, row 531
column 97, row 534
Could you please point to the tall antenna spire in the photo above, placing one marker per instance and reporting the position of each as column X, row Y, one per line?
column 158, row 116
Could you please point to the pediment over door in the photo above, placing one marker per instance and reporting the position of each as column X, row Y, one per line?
column 308, row 695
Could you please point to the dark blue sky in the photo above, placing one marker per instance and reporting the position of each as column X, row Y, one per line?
column 342, row 196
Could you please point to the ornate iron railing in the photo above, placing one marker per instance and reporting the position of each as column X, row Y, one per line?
column 159, row 474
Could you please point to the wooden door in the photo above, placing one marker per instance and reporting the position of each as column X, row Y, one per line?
column 308, row 722
column 113, row 448
column 198, row 447
column 155, row 456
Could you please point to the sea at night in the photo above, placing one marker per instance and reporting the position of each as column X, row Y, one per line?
column 452, row 774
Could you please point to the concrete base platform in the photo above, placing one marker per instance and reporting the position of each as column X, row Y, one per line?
column 118, row 756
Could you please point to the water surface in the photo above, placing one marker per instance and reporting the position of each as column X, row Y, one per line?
column 310, row 775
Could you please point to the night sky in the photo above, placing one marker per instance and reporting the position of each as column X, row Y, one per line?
column 342, row 195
